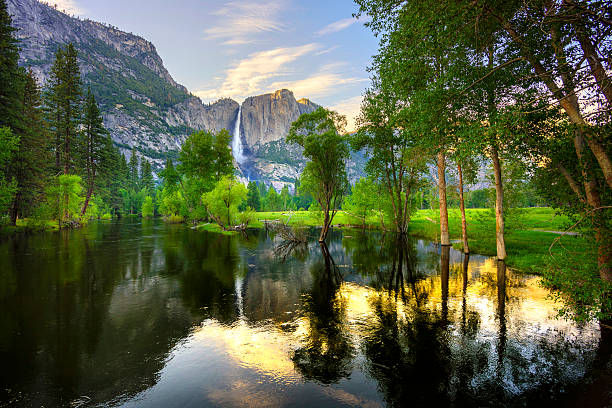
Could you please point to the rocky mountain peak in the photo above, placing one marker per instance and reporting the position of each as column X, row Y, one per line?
column 143, row 107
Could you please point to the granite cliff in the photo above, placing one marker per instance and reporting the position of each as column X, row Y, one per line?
column 145, row 109
column 143, row 106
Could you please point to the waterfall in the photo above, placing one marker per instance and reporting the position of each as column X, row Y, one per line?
column 237, row 142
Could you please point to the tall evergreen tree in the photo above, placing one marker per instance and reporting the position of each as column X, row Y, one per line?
column 146, row 176
column 31, row 161
column 11, row 76
column 253, row 198
column 63, row 102
column 134, row 179
column 94, row 146
column 8, row 145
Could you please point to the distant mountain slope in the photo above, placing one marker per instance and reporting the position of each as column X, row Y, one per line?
column 146, row 109
column 143, row 106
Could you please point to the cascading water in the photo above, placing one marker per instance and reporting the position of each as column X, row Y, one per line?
column 237, row 142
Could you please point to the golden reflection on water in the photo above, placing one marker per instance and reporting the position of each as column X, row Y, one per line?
column 519, row 307
column 263, row 349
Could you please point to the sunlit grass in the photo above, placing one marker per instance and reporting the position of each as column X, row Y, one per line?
column 527, row 242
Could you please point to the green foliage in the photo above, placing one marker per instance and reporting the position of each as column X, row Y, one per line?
column 253, row 199
column 96, row 147
column 207, row 157
column 172, row 203
column 321, row 135
column 147, row 207
column 63, row 104
column 31, row 163
column 8, row 185
column 272, row 201
column 223, row 201
column 363, row 199
column 64, row 197
column 11, row 76
column 246, row 216
column 146, row 176
column 584, row 296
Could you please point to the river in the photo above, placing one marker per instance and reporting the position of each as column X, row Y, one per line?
column 138, row 313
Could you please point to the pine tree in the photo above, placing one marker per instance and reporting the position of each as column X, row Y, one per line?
column 117, row 180
column 11, row 76
column 170, row 176
column 31, row 161
column 53, row 96
column 63, row 104
column 146, row 176
column 72, row 104
column 253, row 198
column 134, row 179
column 94, row 146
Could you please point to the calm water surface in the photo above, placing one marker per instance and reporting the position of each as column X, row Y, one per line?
column 144, row 314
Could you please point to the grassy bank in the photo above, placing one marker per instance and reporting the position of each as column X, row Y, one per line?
column 25, row 225
column 528, row 232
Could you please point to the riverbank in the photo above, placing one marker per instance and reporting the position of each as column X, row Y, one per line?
column 529, row 232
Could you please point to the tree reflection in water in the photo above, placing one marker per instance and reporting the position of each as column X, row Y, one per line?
column 328, row 353
column 109, row 312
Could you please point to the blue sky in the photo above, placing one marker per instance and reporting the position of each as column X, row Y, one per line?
column 247, row 47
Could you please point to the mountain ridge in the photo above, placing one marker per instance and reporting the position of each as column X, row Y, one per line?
column 142, row 105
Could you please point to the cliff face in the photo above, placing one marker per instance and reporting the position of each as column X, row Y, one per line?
column 143, row 107
column 267, row 118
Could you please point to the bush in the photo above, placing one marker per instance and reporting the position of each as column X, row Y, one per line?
column 246, row 216
column 147, row 207
column 174, row 219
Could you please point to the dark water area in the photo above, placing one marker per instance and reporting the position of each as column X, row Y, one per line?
column 145, row 314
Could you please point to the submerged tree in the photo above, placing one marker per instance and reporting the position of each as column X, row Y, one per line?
column 395, row 157
column 321, row 135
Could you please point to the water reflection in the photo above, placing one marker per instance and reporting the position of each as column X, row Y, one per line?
column 147, row 314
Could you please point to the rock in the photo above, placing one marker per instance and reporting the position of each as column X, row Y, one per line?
column 267, row 118
column 145, row 109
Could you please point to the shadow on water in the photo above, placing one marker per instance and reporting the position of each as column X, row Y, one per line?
column 147, row 314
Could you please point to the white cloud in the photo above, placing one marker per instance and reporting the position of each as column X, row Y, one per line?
column 67, row 6
column 337, row 26
column 254, row 74
column 238, row 21
column 349, row 108
column 324, row 82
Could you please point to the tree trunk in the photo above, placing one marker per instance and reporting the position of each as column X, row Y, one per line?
column 444, row 238
column 591, row 54
column 89, row 192
column 571, row 109
column 87, row 197
column 14, row 211
column 604, row 254
column 466, row 247
column 325, row 228
column 499, row 205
